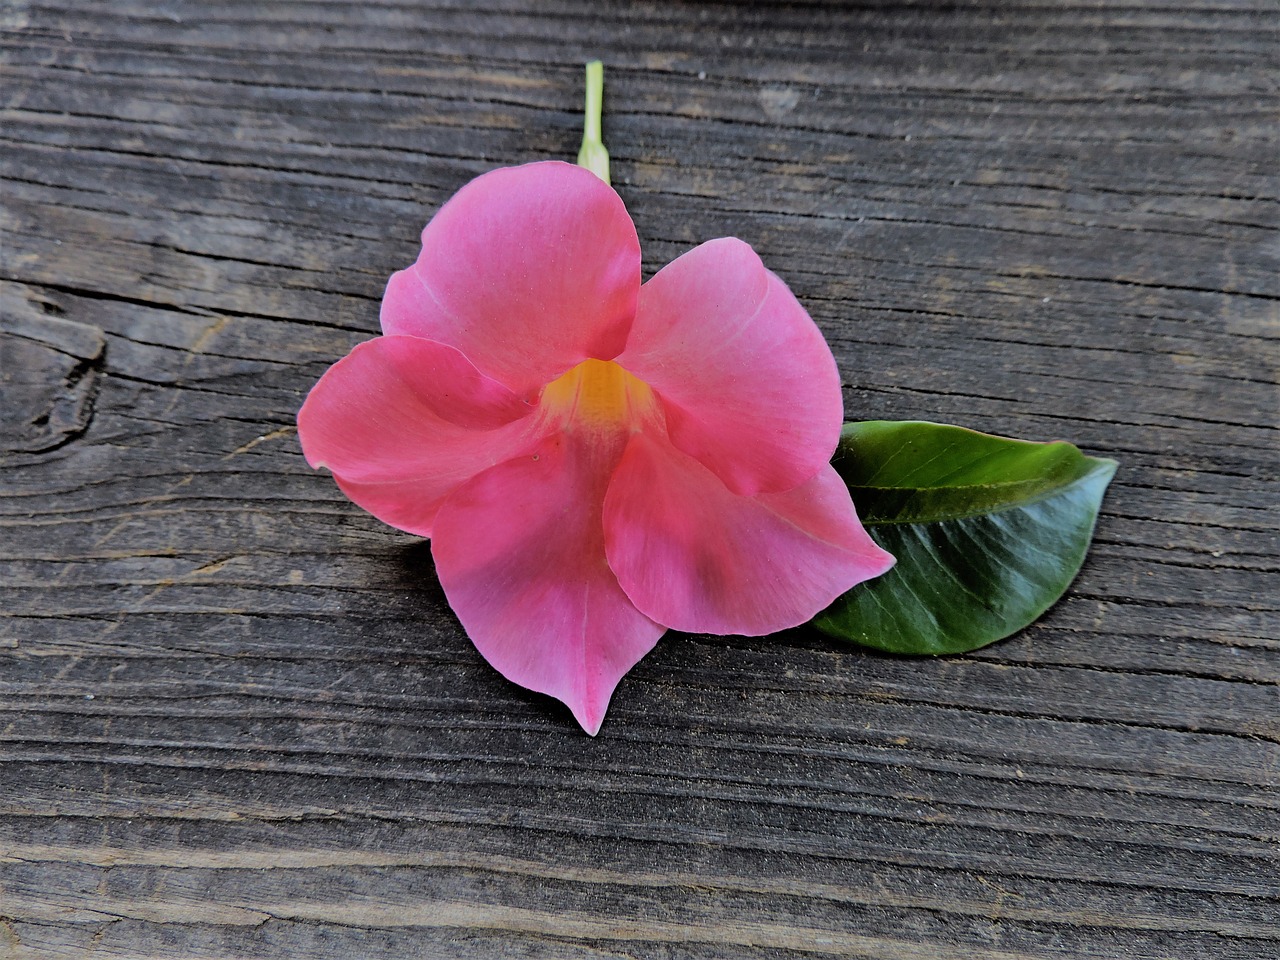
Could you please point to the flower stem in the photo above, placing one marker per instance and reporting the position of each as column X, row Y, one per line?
column 593, row 155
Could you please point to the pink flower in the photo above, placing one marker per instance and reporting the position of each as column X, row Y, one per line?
column 594, row 460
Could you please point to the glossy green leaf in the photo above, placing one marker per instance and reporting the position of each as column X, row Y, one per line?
column 988, row 533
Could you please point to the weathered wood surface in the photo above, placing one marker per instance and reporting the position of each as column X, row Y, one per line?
column 238, row 720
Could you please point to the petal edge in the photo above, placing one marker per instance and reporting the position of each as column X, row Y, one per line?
column 527, row 270
column 748, row 382
column 520, row 553
column 697, row 557
column 402, row 421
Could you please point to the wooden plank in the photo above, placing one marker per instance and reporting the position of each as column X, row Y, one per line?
column 237, row 718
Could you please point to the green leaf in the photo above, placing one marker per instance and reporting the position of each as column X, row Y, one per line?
column 988, row 533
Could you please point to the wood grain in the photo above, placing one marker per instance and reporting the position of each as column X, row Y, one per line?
column 237, row 719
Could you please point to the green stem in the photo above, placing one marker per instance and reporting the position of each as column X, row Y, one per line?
column 593, row 155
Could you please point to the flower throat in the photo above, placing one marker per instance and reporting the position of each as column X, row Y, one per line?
column 598, row 393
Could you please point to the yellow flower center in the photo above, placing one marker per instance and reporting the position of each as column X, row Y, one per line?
column 598, row 394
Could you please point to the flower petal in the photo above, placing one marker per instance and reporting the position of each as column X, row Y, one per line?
column 402, row 422
column 520, row 554
column 527, row 270
column 748, row 383
column 697, row 557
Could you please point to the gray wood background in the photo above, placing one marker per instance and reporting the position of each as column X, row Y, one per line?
column 237, row 719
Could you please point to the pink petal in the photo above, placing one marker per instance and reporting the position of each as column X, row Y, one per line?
column 527, row 270
column 402, row 422
column 748, row 383
column 520, row 554
column 697, row 557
